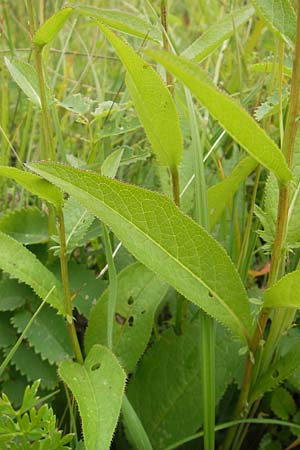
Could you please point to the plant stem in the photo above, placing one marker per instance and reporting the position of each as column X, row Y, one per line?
column 175, row 185
column 166, row 43
column 66, row 286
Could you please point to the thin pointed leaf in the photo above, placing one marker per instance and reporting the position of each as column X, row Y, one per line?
column 48, row 31
column 153, row 102
column 233, row 118
column 98, row 388
column 163, row 239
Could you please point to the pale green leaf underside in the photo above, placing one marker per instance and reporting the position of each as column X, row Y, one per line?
column 20, row 263
column 26, row 78
column 220, row 195
column 34, row 184
column 163, row 239
column 285, row 293
column 122, row 21
column 153, row 102
column 48, row 31
column 279, row 15
column 232, row 117
column 98, row 387
column 217, row 34
column 139, row 293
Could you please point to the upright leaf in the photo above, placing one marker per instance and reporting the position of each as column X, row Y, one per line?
column 26, row 78
column 284, row 293
column 98, row 387
column 34, row 184
column 139, row 293
column 20, row 263
column 48, row 31
column 217, row 33
column 153, row 102
column 233, row 118
column 280, row 16
column 163, row 239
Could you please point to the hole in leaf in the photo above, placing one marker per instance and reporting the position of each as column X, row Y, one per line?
column 275, row 374
column 95, row 366
column 143, row 312
column 130, row 301
column 130, row 321
column 120, row 319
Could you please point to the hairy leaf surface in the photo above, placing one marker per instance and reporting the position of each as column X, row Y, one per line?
column 162, row 238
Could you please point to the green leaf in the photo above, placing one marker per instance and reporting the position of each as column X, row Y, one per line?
column 47, row 334
column 13, row 295
column 139, row 293
column 98, row 387
column 26, row 78
column 217, row 33
column 282, row 403
column 282, row 294
column 111, row 164
column 34, row 184
column 20, row 263
column 163, row 239
column 48, row 31
column 166, row 390
column 268, row 67
column 232, row 117
column 27, row 225
column 153, row 102
column 221, row 194
column 280, row 17
column 122, row 21
column 8, row 335
column 135, row 431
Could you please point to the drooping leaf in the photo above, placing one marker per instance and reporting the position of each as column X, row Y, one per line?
column 153, row 102
column 282, row 403
column 139, row 293
column 284, row 293
column 49, row 30
column 233, row 118
column 280, row 17
column 217, row 33
column 111, row 164
column 20, row 263
column 27, row 225
column 122, row 21
column 34, row 184
column 26, row 78
column 166, row 389
column 77, row 104
column 98, row 387
column 221, row 194
column 47, row 334
column 163, row 239
column 13, row 295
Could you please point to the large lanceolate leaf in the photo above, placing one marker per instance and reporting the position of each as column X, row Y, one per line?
column 34, row 184
column 20, row 263
column 221, row 194
column 163, row 239
column 122, row 21
column 285, row 293
column 48, row 31
column 153, row 102
column 139, row 293
column 279, row 15
column 233, row 118
column 217, row 34
column 98, row 388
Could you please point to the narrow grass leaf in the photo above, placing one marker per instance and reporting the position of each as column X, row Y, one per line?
column 232, row 117
column 49, row 30
column 221, row 194
column 163, row 239
column 20, row 263
column 98, row 388
column 284, row 294
column 213, row 37
column 153, row 102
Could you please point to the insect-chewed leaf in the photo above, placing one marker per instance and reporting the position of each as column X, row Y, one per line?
column 48, row 31
column 217, row 34
column 139, row 293
column 279, row 15
column 284, row 294
column 98, row 388
column 220, row 195
column 236, row 121
column 122, row 21
column 27, row 225
column 20, row 263
column 163, row 239
column 34, row 184
column 153, row 102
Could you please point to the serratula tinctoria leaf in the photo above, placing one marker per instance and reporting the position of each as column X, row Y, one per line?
column 163, row 239
column 285, row 293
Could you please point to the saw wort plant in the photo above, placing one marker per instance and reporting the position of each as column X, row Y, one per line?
column 181, row 320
